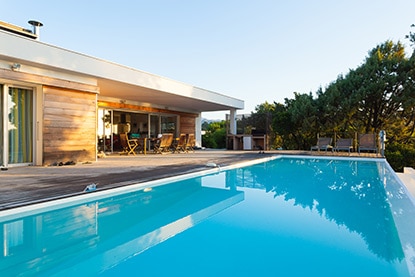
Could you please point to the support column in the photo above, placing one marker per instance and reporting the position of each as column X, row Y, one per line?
column 198, row 130
column 232, row 122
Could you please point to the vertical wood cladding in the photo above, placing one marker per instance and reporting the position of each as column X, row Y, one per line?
column 187, row 124
column 69, row 125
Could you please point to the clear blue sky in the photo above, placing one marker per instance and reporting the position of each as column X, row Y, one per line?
column 255, row 50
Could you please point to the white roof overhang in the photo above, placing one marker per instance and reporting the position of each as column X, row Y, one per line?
column 114, row 80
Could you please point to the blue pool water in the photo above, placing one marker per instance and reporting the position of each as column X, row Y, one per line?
column 283, row 217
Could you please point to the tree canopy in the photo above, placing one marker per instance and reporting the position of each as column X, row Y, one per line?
column 377, row 95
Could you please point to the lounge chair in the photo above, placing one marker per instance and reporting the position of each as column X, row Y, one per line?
column 323, row 143
column 128, row 145
column 164, row 144
column 344, row 144
column 367, row 142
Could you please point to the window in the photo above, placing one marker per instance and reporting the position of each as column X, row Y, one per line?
column 169, row 124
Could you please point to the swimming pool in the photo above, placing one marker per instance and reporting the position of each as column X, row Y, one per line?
column 288, row 216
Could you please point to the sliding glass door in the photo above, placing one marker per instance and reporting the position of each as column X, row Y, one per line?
column 16, row 126
column 105, row 141
column 2, row 153
column 112, row 123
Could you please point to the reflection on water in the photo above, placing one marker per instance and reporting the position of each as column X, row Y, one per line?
column 103, row 233
column 351, row 194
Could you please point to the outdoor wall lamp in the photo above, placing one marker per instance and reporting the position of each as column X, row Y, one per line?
column 15, row 66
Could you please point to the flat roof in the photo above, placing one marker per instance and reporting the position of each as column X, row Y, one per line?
column 114, row 80
column 17, row 30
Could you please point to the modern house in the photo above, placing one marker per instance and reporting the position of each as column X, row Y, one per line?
column 59, row 105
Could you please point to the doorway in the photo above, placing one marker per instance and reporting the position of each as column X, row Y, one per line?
column 16, row 126
column 111, row 123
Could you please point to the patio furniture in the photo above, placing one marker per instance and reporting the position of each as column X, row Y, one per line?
column 323, row 143
column 180, row 146
column 367, row 142
column 164, row 143
column 344, row 144
column 191, row 143
column 128, row 145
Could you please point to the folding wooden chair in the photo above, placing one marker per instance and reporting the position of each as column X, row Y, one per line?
column 181, row 144
column 191, row 143
column 128, row 145
column 164, row 144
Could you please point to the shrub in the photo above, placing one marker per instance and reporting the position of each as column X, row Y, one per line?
column 400, row 156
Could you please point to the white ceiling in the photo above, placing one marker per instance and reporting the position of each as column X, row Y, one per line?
column 163, row 99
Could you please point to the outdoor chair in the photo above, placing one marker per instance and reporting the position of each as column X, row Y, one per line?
column 367, row 142
column 180, row 146
column 164, row 144
column 191, row 143
column 323, row 143
column 344, row 144
column 129, row 145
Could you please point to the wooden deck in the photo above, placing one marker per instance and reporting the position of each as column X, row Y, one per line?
column 27, row 185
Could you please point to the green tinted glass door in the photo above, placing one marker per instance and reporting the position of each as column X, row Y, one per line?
column 20, row 125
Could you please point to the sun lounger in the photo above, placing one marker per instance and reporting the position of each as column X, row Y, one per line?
column 344, row 144
column 323, row 143
column 367, row 142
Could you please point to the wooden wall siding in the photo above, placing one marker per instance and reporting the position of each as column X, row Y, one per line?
column 38, row 79
column 69, row 126
column 187, row 125
column 113, row 105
